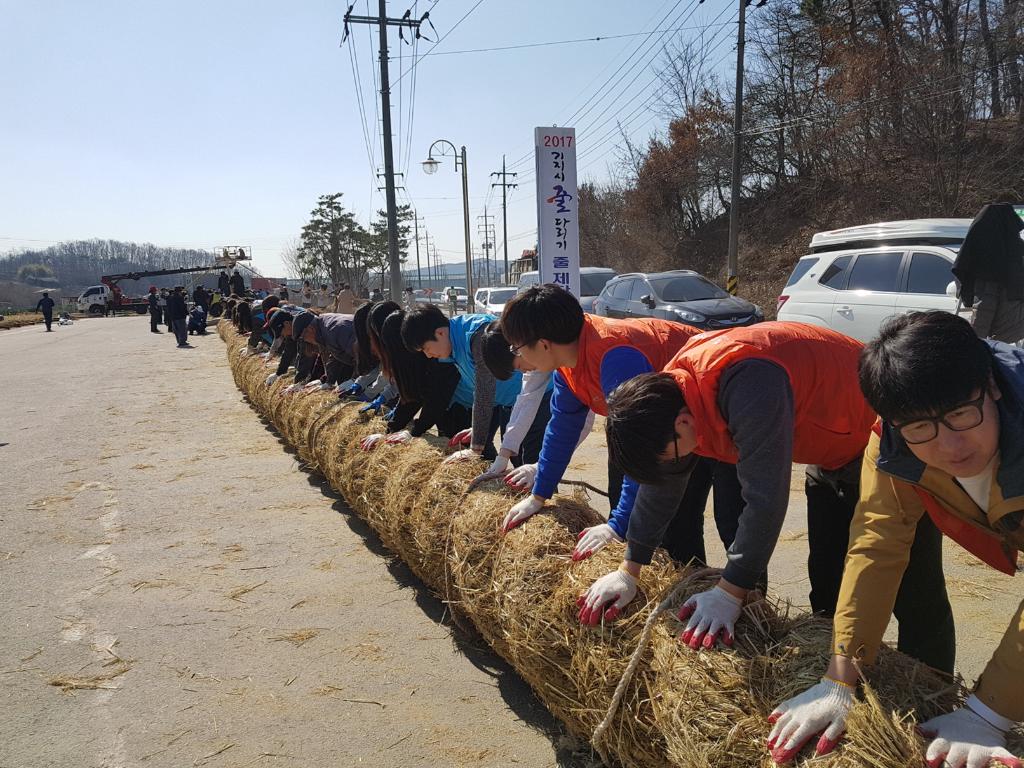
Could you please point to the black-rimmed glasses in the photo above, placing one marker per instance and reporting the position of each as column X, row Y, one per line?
column 965, row 416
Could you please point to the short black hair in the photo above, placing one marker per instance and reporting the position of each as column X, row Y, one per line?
column 267, row 303
column 641, row 422
column 542, row 312
column 923, row 364
column 497, row 356
column 420, row 324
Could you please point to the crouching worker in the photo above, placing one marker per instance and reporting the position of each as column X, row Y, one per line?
column 197, row 320
column 425, row 388
column 949, row 450
column 459, row 341
column 590, row 356
column 763, row 397
column 520, row 448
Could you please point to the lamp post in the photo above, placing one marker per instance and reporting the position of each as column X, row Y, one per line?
column 430, row 167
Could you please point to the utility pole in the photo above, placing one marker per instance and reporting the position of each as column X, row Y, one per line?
column 416, row 226
column 383, row 22
column 431, row 271
column 732, row 280
column 488, row 240
column 505, row 186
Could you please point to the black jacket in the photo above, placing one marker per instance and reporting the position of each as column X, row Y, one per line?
column 176, row 307
column 154, row 303
column 45, row 305
column 237, row 284
column 992, row 250
column 224, row 284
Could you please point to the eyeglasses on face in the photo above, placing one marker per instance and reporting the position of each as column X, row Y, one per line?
column 515, row 349
column 965, row 416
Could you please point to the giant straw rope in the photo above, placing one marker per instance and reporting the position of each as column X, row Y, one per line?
column 676, row 707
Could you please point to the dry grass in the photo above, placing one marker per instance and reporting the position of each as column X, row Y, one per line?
column 298, row 638
column 69, row 683
column 681, row 708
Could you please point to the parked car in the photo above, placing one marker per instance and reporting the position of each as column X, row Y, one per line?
column 855, row 278
column 493, row 300
column 592, row 281
column 679, row 294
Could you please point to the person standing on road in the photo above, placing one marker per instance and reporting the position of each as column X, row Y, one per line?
column 154, row 310
column 946, row 451
column 166, row 315
column 345, row 304
column 177, row 311
column 201, row 298
column 45, row 305
column 237, row 284
column 223, row 284
column 323, row 299
column 453, row 301
column 307, row 295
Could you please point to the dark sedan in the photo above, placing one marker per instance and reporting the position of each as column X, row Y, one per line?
column 680, row 295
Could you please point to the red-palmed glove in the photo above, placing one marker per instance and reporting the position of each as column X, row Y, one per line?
column 370, row 442
column 461, row 438
column 708, row 614
column 822, row 708
column 967, row 738
column 521, row 478
column 606, row 597
column 399, row 438
column 594, row 539
column 466, row 454
column 521, row 511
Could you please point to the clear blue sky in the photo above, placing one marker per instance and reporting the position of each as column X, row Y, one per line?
column 200, row 124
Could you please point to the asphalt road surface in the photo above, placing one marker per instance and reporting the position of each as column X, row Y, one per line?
column 176, row 592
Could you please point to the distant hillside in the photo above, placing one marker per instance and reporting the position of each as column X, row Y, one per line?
column 81, row 263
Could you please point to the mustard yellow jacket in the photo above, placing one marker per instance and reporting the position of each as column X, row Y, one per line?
column 896, row 490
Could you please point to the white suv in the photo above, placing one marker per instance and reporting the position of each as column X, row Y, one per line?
column 855, row 278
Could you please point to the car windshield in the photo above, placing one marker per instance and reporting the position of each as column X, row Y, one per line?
column 687, row 288
column 501, row 296
column 592, row 284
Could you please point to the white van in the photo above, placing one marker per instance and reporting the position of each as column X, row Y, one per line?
column 592, row 282
column 855, row 278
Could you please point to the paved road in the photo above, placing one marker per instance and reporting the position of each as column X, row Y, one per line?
column 160, row 545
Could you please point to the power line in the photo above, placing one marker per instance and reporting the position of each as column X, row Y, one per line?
column 599, row 39
column 442, row 38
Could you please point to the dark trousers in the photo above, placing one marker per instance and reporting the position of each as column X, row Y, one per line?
column 684, row 539
column 454, row 420
column 926, row 629
column 154, row 320
column 180, row 332
column 48, row 319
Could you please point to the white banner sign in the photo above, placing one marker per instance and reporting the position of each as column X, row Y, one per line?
column 558, row 230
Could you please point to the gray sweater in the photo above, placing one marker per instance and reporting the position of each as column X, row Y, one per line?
column 756, row 401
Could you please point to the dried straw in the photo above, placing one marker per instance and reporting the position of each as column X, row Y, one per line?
column 679, row 708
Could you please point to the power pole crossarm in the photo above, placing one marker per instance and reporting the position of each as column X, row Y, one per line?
column 505, row 186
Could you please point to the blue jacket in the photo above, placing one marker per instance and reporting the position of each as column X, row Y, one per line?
column 460, row 330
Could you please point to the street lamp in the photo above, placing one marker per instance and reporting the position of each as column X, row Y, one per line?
column 430, row 166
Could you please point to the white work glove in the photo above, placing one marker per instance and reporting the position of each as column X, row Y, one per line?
column 345, row 386
column 461, row 438
column 710, row 613
column 617, row 588
column 311, row 385
column 822, row 708
column 497, row 469
column 592, row 540
column 399, row 438
column 370, row 442
column 289, row 389
column 244, row 352
column 522, row 511
column 466, row 454
column 271, row 379
column 966, row 738
column 522, row 478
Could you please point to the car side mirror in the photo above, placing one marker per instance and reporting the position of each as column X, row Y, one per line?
column 951, row 290
column 646, row 299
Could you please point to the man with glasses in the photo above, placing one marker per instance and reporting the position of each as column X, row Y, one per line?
column 590, row 356
column 763, row 396
column 949, row 448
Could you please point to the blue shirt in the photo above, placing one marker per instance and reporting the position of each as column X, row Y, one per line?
column 568, row 416
column 460, row 331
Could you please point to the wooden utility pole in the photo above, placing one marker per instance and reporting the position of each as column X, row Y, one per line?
column 732, row 280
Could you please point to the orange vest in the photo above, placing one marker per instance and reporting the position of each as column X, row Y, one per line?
column 832, row 419
column 657, row 340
